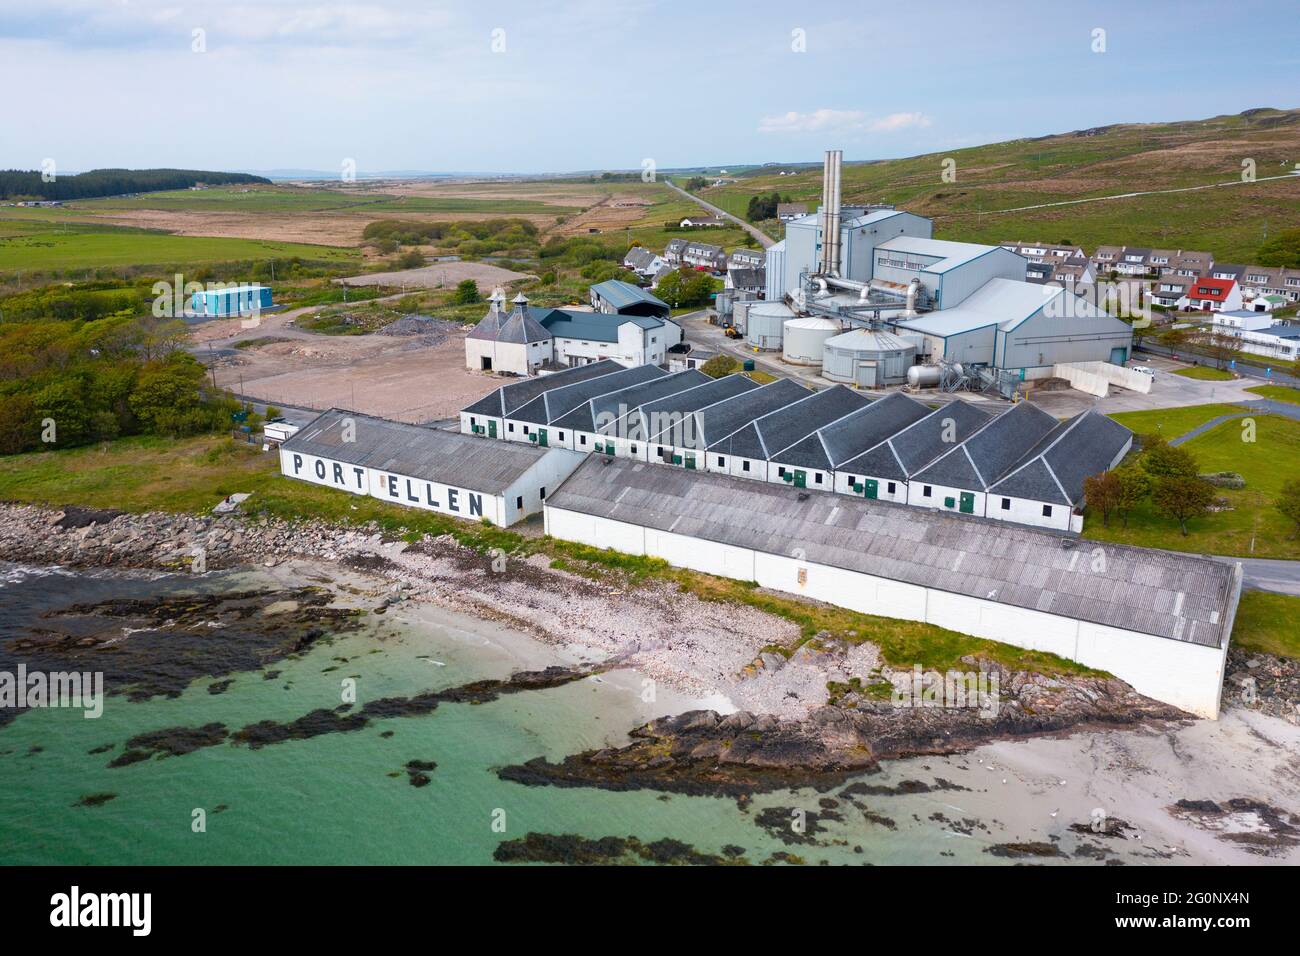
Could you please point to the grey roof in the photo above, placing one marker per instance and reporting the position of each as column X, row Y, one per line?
column 594, row 326
column 489, row 326
column 507, row 398
column 416, row 451
column 1055, row 468
column 989, row 453
column 747, row 278
column 1178, row 596
column 678, row 407
column 621, row 294
column 765, row 436
column 718, row 421
column 608, row 408
column 829, row 447
column 550, row 406
column 521, row 328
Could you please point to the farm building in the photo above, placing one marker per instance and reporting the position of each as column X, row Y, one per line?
column 425, row 468
column 528, row 339
column 231, row 301
column 746, row 452
column 1160, row 621
column 614, row 297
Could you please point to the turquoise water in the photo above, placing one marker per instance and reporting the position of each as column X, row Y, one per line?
column 331, row 799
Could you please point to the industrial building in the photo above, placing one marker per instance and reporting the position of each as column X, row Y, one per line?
column 526, row 339
column 967, row 308
column 710, row 424
column 867, row 358
column 603, row 423
column 615, row 297
column 535, row 422
column 487, row 416
column 1159, row 620
column 231, row 301
column 424, row 467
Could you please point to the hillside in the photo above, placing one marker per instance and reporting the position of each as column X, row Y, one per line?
column 24, row 184
column 1229, row 221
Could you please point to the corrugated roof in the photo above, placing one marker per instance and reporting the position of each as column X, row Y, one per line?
column 988, row 454
column 608, row 408
column 765, row 436
column 1055, row 468
column 1000, row 302
column 556, row 403
column 668, row 412
column 718, row 421
column 415, row 451
column 947, row 253
column 1176, row 596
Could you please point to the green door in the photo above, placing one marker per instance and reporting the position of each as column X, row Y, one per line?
column 541, row 437
column 690, row 462
column 967, row 502
column 872, row 487
column 492, row 429
column 801, row 479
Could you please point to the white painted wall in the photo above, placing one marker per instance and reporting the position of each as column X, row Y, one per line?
column 844, row 486
column 1025, row 511
column 1185, row 675
column 916, row 496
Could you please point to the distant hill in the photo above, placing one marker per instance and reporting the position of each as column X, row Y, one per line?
column 20, row 184
column 1232, row 221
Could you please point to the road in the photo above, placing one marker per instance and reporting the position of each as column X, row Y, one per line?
column 763, row 238
column 1247, row 371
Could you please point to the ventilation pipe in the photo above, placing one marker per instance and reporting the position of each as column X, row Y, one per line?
column 830, row 264
column 913, row 291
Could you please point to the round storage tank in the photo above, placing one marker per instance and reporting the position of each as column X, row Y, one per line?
column 765, row 324
column 805, row 339
column 867, row 358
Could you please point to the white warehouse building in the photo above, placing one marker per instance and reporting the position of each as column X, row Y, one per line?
column 1159, row 620
column 425, row 468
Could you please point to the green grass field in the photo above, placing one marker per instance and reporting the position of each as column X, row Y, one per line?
column 1269, row 623
column 1169, row 423
column 41, row 247
column 1279, row 393
column 1206, row 373
column 1253, row 527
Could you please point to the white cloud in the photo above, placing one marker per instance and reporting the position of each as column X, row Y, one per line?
column 840, row 121
column 897, row 121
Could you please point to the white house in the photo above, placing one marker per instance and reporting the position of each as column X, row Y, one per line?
column 425, row 468
column 1259, row 334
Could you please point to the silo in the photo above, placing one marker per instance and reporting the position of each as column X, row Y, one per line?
column 765, row 324
column 805, row 339
column 867, row 358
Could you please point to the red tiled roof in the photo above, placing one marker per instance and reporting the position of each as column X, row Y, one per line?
column 1215, row 290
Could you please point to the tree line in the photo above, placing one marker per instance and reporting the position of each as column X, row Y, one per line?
column 29, row 184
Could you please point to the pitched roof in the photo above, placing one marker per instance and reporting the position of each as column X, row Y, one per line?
column 521, row 328
column 832, row 445
column 1054, row 469
column 673, row 413
column 504, row 400
column 605, row 412
column 1166, row 594
column 780, row 429
column 948, row 254
column 554, row 404
column 594, row 326
column 1214, row 290
column 715, row 422
column 1001, row 302
column 621, row 294
column 416, row 451
column 991, row 451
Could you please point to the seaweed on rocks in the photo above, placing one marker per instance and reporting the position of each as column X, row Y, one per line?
column 572, row 849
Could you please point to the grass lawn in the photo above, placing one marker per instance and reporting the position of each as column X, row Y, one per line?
column 1172, row 422
column 1279, row 393
column 191, row 475
column 1206, row 373
column 1253, row 527
column 1269, row 623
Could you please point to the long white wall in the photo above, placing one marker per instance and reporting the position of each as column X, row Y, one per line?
column 1188, row 676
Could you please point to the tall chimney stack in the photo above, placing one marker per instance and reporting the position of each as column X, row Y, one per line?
column 830, row 218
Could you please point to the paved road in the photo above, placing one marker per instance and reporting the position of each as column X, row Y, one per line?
column 763, row 238
column 1269, row 574
column 1248, row 371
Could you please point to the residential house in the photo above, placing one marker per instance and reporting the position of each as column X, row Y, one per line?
column 1196, row 265
column 747, row 259
column 673, row 252
column 1133, row 262
column 701, row 255
column 1260, row 335
column 786, row 211
column 644, row 262
column 1213, row 295
column 1104, row 260
column 1272, row 280
column 702, row 222
column 1170, row 292
column 746, row 280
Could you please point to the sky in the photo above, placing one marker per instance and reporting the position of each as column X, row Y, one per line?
column 529, row 87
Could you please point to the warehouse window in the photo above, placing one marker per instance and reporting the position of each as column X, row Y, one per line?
column 926, row 491
column 582, row 439
column 892, row 486
column 1006, row 504
column 543, row 493
column 473, row 421
column 852, row 481
column 819, row 478
column 780, row 472
column 561, row 435
column 510, row 427
column 519, row 503
column 722, row 462
column 634, row 449
column 525, row 429
column 1047, row 511
column 744, row 466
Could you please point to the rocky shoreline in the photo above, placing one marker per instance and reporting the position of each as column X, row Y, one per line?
column 798, row 720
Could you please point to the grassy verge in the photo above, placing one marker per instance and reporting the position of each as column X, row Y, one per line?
column 191, row 475
column 1206, row 373
column 1268, row 623
column 1279, row 393
column 1251, row 527
column 1171, row 422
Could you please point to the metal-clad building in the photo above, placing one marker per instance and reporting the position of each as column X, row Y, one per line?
column 230, row 301
column 867, row 358
column 1159, row 620
column 803, row 341
column 425, row 468
column 765, row 324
